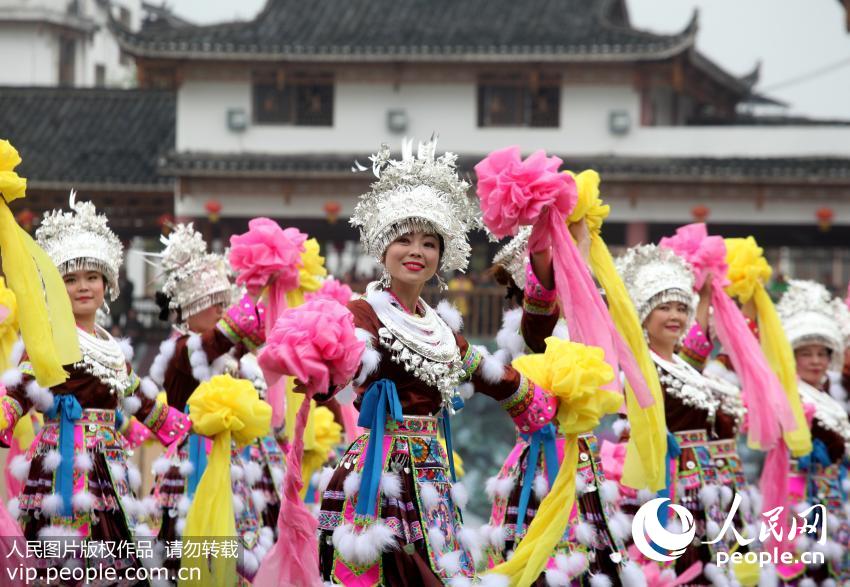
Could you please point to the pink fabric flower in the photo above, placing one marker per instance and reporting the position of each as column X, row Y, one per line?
column 267, row 252
column 707, row 254
column 315, row 343
column 332, row 289
column 514, row 192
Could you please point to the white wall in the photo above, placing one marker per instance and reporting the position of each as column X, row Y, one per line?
column 29, row 33
column 450, row 109
column 30, row 55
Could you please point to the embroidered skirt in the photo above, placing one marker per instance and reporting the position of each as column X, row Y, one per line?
column 419, row 511
column 593, row 530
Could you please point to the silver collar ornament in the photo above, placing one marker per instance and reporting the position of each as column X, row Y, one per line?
column 104, row 359
column 424, row 345
column 686, row 384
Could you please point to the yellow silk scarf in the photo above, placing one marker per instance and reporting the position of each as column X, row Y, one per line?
column 647, row 446
column 44, row 310
column 748, row 272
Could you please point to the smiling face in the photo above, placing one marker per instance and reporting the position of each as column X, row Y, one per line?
column 666, row 324
column 413, row 258
column 812, row 363
column 86, row 290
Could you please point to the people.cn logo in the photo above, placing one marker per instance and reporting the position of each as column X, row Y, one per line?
column 655, row 541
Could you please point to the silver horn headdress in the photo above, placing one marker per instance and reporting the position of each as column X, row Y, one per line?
column 81, row 240
column 421, row 193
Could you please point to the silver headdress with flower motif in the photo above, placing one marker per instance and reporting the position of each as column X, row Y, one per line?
column 81, row 240
column 194, row 279
column 417, row 194
column 513, row 256
column 655, row 275
column 808, row 317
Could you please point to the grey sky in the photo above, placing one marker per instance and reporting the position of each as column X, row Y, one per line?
column 791, row 38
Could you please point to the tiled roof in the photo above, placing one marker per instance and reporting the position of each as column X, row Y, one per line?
column 612, row 168
column 422, row 30
column 86, row 137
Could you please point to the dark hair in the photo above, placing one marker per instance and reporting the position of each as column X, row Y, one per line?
column 163, row 301
column 503, row 278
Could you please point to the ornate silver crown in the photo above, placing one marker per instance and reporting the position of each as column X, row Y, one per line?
column 655, row 275
column 513, row 256
column 421, row 193
column 80, row 240
column 808, row 316
column 194, row 279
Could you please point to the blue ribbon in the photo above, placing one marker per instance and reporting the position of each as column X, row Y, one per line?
column 68, row 409
column 382, row 396
column 673, row 452
column 447, row 434
column 544, row 437
column 198, row 457
column 818, row 456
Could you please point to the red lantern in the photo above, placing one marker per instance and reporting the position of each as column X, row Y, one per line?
column 213, row 208
column 825, row 216
column 25, row 219
column 165, row 222
column 332, row 210
column 700, row 213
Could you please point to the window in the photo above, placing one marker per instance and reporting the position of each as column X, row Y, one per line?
column 100, row 75
column 532, row 100
column 293, row 98
column 67, row 50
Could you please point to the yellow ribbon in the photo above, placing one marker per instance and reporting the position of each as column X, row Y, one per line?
column 225, row 409
column 575, row 374
column 748, row 272
column 647, row 446
column 9, row 326
column 45, row 316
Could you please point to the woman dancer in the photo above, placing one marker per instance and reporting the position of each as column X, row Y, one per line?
column 661, row 287
column 77, row 484
column 212, row 339
column 413, row 221
column 812, row 329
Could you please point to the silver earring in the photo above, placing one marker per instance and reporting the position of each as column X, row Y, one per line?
column 105, row 308
column 646, row 335
column 442, row 284
column 386, row 279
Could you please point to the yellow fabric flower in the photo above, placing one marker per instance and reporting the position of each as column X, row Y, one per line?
column 748, row 272
column 589, row 204
column 225, row 409
column 312, row 270
column 575, row 374
column 327, row 434
column 227, row 405
column 748, row 269
column 12, row 186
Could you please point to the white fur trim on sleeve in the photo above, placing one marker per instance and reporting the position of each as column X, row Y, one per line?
column 126, row 348
column 450, row 315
